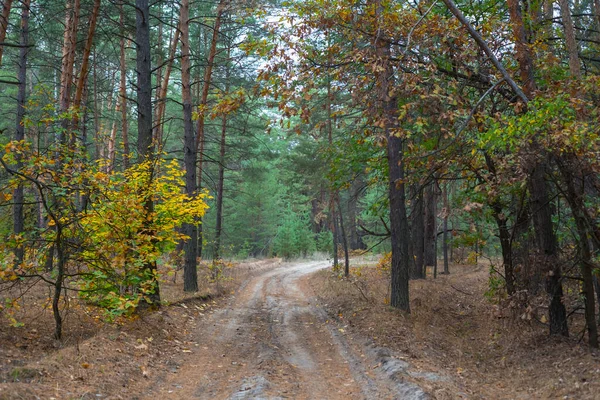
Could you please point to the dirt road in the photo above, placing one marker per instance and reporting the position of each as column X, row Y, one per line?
column 273, row 342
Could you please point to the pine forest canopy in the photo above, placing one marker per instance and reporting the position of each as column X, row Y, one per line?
column 137, row 131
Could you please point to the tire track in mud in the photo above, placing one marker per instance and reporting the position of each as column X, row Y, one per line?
column 271, row 342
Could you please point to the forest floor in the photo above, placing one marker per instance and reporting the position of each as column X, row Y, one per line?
column 297, row 330
column 486, row 349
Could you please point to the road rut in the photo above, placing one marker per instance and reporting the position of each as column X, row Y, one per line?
column 273, row 342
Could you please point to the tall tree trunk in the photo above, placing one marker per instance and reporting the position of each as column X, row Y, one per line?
column 204, row 102
column 574, row 196
column 85, row 60
column 540, row 203
column 523, row 53
column 334, row 229
column 58, row 284
column 351, row 207
column 144, row 104
column 18, row 195
column 399, row 296
column 159, row 70
column 68, row 62
column 344, row 241
column 112, row 144
column 418, row 234
column 570, row 41
column 547, row 248
column 445, row 234
column 97, row 139
column 221, row 183
column 123, row 91
column 161, row 96
column 597, row 287
column 6, row 6
column 430, row 224
column 190, row 274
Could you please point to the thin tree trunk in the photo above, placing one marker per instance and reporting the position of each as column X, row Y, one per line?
column 161, row 96
column 523, row 53
column 504, row 235
column 97, row 139
column 334, row 230
column 418, row 234
column 597, row 287
column 190, row 273
column 6, row 6
column 221, row 183
column 574, row 197
column 344, row 241
column 144, row 104
column 203, row 104
column 351, row 213
column 435, row 259
column 570, row 41
column 430, row 224
column 445, row 234
column 68, row 61
column 207, row 79
column 18, row 194
column 58, row 285
column 123, row 92
column 112, row 144
column 159, row 67
column 85, row 61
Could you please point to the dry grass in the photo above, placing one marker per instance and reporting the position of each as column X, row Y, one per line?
column 100, row 360
column 489, row 350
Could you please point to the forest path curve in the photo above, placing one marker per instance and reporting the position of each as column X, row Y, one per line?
column 273, row 342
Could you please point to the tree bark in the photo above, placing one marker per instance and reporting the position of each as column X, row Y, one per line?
column 221, row 183
column 570, row 41
column 540, row 203
column 123, row 92
column 344, row 241
column 575, row 200
column 6, row 6
column 18, row 194
column 97, row 148
column 85, row 61
column 58, row 284
column 445, row 234
column 161, row 96
column 523, row 53
column 430, row 224
column 190, row 274
column 400, row 236
column 335, row 231
column 204, row 102
column 418, row 234
column 68, row 61
column 144, row 118
column 597, row 287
